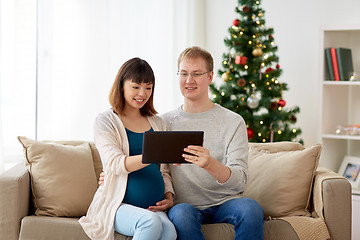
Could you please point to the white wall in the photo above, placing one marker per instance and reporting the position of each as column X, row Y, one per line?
column 297, row 27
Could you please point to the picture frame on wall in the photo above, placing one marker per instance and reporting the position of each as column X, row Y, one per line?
column 350, row 169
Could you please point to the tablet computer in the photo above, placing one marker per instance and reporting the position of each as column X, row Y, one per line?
column 168, row 146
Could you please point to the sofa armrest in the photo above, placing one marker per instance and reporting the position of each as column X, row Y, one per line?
column 14, row 200
column 332, row 202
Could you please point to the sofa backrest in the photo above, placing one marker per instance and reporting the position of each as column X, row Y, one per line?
column 270, row 147
column 96, row 159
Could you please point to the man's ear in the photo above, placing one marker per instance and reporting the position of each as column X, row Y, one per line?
column 211, row 77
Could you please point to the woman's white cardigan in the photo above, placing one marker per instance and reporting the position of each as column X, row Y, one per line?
column 113, row 145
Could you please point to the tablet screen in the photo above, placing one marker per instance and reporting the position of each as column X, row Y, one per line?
column 168, row 146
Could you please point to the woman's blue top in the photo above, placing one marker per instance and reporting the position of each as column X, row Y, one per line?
column 145, row 187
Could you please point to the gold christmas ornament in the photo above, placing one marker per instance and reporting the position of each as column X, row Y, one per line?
column 257, row 51
column 260, row 14
column 225, row 76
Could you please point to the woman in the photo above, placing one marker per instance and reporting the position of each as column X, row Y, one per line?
column 131, row 188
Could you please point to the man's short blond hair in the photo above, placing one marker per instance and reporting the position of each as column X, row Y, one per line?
column 197, row 52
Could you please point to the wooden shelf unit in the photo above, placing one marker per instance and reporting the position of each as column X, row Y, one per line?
column 340, row 100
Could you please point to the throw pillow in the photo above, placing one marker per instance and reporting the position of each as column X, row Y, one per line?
column 95, row 153
column 274, row 147
column 63, row 180
column 281, row 182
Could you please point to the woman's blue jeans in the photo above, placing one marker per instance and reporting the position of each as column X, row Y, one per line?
column 245, row 214
column 143, row 224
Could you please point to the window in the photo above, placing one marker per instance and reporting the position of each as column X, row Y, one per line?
column 17, row 76
column 59, row 58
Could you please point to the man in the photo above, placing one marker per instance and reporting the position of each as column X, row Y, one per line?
column 210, row 189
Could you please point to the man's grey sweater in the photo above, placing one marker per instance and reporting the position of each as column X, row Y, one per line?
column 225, row 136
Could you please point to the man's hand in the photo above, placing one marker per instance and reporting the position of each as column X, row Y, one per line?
column 101, row 179
column 163, row 205
column 200, row 158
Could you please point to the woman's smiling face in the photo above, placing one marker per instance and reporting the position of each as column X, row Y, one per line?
column 136, row 94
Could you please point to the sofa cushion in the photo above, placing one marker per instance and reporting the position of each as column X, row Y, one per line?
column 95, row 153
column 41, row 227
column 63, row 180
column 281, row 181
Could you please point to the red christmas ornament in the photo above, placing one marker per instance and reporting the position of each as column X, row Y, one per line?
column 240, row 60
column 250, row 133
column 269, row 70
column 282, row 103
column 277, row 66
column 236, row 22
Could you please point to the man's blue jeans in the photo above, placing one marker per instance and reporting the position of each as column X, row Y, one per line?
column 245, row 214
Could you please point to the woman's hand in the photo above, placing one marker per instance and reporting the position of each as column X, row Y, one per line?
column 164, row 204
column 101, row 178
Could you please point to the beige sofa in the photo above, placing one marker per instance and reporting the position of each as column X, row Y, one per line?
column 328, row 200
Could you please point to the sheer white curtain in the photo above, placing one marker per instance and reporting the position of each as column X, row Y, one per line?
column 17, row 76
column 82, row 44
column 1, row 139
column 1, row 135
column 59, row 58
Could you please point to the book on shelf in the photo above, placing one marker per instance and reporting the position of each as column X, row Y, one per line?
column 329, row 63
column 339, row 63
column 335, row 64
column 345, row 63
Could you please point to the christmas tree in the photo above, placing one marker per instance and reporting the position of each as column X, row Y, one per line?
column 250, row 71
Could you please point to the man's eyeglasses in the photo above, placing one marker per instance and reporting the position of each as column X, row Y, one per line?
column 185, row 75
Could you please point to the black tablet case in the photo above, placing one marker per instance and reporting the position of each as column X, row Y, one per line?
column 168, row 146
